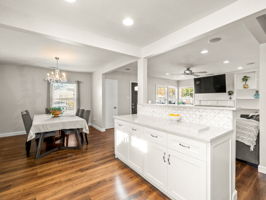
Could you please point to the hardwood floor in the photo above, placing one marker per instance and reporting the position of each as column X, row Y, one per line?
column 90, row 174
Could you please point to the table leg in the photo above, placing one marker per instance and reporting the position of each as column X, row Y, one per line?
column 38, row 153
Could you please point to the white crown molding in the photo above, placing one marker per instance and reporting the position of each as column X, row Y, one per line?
column 9, row 134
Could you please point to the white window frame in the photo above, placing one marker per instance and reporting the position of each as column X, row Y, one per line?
column 75, row 97
column 186, row 98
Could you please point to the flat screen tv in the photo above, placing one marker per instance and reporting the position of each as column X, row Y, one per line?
column 210, row 84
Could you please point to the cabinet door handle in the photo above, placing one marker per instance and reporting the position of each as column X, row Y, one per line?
column 120, row 125
column 185, row 146
column 169, row 159
column 133, row 129
column 164, row 157
column 155, row 136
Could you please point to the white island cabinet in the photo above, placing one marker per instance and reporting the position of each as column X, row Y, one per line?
column 190, row 165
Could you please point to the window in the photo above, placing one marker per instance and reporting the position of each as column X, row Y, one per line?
column 161, row 94
column 186, row 95
column 172, row 95
column 166, row 94
column 64, row 95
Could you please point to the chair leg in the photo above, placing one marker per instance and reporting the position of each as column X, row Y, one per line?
column 27, row 146
column 77, row 138
column 67, row 137
column 38, row 152
column 81, row 138
column 86, row 137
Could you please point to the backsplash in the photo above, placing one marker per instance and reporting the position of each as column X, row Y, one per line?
column 215, row 117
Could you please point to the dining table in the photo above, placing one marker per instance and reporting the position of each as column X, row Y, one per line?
column 46, row 123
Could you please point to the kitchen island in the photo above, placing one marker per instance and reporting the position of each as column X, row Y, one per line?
column 184, row 160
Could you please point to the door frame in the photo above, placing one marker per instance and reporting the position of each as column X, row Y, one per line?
column 130, row 95
column 105, row 99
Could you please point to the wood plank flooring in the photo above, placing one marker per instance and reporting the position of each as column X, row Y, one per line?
column 90, row 174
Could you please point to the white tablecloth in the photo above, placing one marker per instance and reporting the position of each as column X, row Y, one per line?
column 46, row 123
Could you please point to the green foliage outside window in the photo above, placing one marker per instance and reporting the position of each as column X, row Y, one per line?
column 187, row 92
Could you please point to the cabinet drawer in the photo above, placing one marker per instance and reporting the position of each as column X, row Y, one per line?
column 187, row 146
column 155, row 136
column 121, row 125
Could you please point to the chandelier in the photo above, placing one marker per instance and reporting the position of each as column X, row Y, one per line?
column 56, row 75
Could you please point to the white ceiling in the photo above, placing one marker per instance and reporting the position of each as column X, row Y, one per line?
column 33, row 49
column 237, row 45
column 153, row 18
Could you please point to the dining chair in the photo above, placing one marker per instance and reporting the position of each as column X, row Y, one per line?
column 67, row 132
column 27, row 121
column 81, row 113
column 77, row 113
column 85, row 116
column 39, row 137
column 78, row 132
column 47, row 111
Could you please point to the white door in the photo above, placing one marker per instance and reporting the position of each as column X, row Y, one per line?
column 155, row 165
column 111, row 96
column 186, row 177
column 137, row 149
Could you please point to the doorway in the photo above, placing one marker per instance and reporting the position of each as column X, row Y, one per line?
column 134, row 97
column 111, row 102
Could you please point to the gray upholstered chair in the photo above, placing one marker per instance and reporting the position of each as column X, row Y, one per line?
column 27, row 121
column 86, row 116
column 39, row 137
column 77, row 113
column 47, row 111
column 67, row 132
column 81, row 112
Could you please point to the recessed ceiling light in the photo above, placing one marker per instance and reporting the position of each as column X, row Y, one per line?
column 226, row 62
column 167, row 74
column 240, row 68
column 70, row 1
column 128, row 21
column 204, row 51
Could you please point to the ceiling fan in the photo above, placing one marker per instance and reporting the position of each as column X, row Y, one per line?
column 189, row 72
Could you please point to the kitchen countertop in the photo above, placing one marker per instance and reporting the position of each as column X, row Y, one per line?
column 192, row 106
column 198, row 132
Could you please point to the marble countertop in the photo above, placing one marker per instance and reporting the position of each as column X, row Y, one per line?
column 198, row 132
column 193, row 106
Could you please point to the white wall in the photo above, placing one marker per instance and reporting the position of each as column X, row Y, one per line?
column 262, row 167
column 24, row 87
column 186, row 83
column 124, row 79
column 152, row 82
column 222, row 96
column 97, row 100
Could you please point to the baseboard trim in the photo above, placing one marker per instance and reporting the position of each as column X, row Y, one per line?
column 12, row 134
column 262, row 169
column 234, row 196
column 98, row 128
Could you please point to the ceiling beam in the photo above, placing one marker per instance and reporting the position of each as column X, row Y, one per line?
column 229, row 14
column 117, row 65
column 65, row 33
